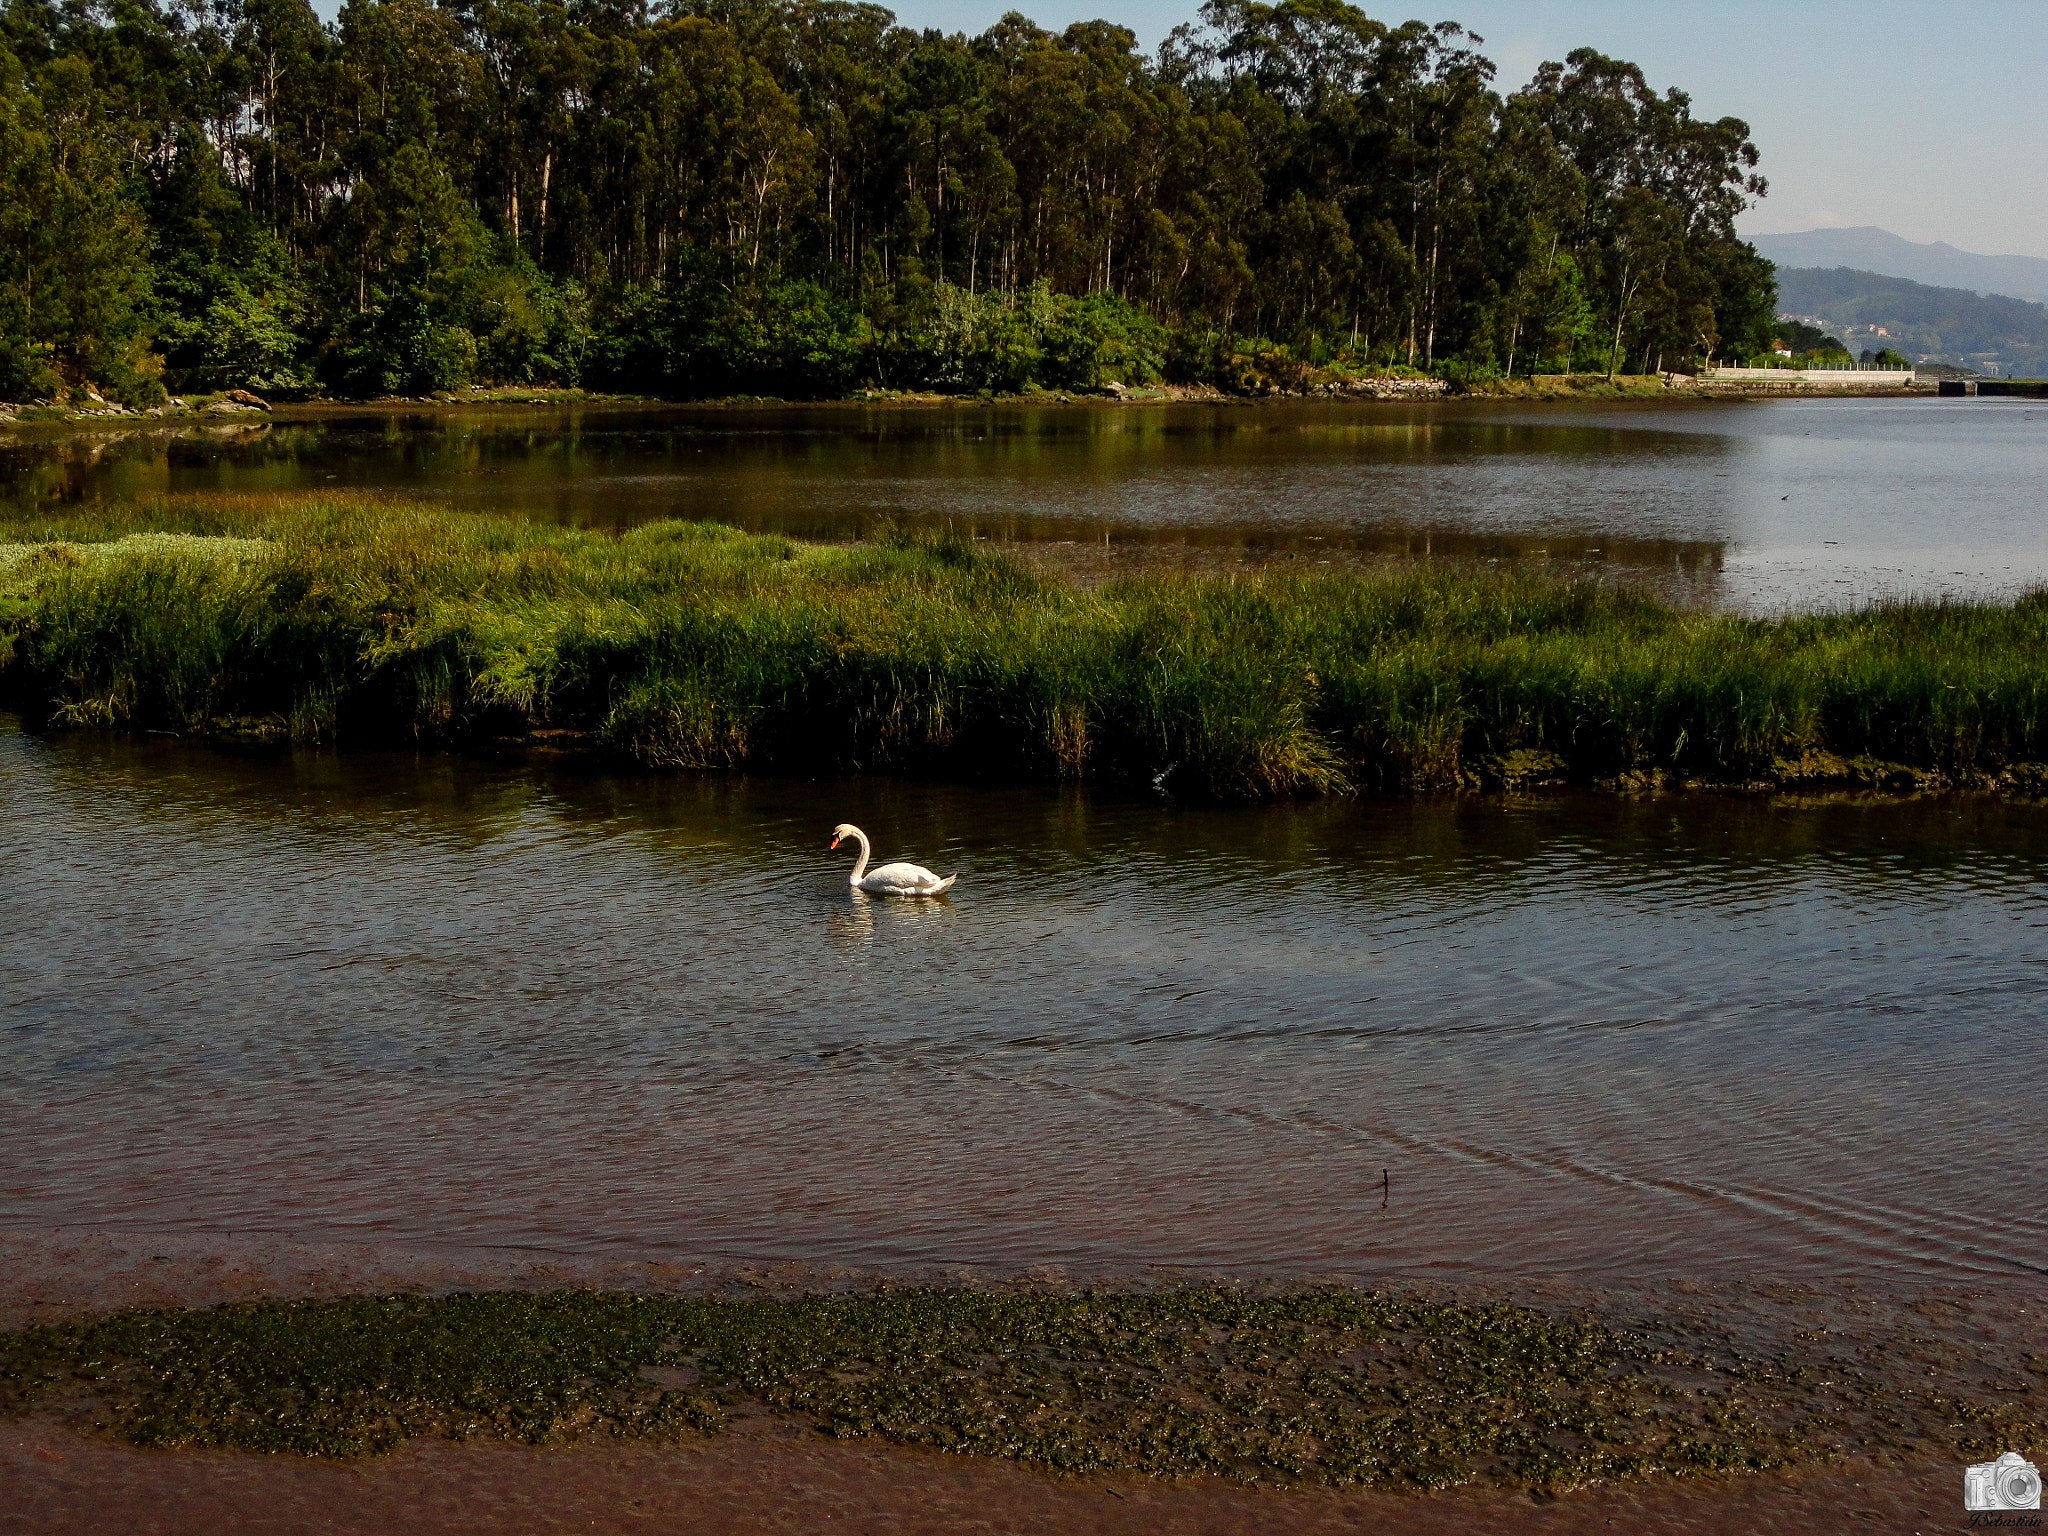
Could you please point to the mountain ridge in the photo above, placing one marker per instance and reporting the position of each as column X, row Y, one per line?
column 1867, row 248
column 1991, row 333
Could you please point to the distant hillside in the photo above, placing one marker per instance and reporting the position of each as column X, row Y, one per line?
column 1990, row 333
column 1870, row 249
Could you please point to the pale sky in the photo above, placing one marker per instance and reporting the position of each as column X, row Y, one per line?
column 1928, row 120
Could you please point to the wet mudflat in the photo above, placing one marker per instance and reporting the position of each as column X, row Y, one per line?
column 1758, row 506
column 770, row 1477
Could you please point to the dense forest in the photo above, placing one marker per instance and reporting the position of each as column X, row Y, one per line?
column 800, row 198
column 1986, row 331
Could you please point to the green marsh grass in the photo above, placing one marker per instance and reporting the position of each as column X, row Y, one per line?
column 697, row 646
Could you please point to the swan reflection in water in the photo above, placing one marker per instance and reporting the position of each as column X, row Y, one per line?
column 856, row 922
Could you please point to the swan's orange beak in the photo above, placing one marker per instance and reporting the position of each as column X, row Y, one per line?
column 833, row 844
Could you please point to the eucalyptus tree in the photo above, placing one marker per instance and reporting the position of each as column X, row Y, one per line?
column 1650, row 199
column 801, row 194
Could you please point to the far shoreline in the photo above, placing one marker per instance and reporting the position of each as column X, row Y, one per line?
column 226, row 412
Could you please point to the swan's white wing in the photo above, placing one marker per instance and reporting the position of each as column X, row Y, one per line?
column 904, row 880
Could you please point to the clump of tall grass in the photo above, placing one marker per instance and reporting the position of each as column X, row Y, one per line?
column 694, row 645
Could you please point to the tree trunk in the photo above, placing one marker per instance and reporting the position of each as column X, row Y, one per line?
column 1620, row 318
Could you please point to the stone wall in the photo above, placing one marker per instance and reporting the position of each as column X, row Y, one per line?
column 1836, row 378
column 1384, row 389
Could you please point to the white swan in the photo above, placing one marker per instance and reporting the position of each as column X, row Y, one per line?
column 890, row 879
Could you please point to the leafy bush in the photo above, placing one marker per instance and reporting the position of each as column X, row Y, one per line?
column 25, row 368
column 1100, row 337
column 249, row 340
column 993, row 341
column 980, row 341
column 528, row 328
column 703, row 333
column 400, row 349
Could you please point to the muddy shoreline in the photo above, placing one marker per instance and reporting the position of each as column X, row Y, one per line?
column 247, row 412
column 1897, row 1385
column 760, row 1479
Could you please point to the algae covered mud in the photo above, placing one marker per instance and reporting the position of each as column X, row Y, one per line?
column 1397, row 1392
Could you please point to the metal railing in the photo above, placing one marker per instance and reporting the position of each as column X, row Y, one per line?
column 1826, row 367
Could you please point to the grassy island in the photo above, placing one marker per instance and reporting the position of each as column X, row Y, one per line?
column 696, row 646
column 1321, row 1387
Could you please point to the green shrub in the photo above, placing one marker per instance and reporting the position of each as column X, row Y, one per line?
column 709, row 332
column 1100, row 337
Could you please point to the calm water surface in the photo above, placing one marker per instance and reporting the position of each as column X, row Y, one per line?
column 442, row 1001
column 1754, row 505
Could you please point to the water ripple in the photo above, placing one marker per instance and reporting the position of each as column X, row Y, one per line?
column 439, row 999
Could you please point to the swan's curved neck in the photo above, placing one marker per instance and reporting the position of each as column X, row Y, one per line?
column 860, row 865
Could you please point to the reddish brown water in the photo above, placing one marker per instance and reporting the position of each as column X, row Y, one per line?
column 434, row 1002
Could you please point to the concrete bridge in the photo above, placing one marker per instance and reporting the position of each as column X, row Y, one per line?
column 2036, row 389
